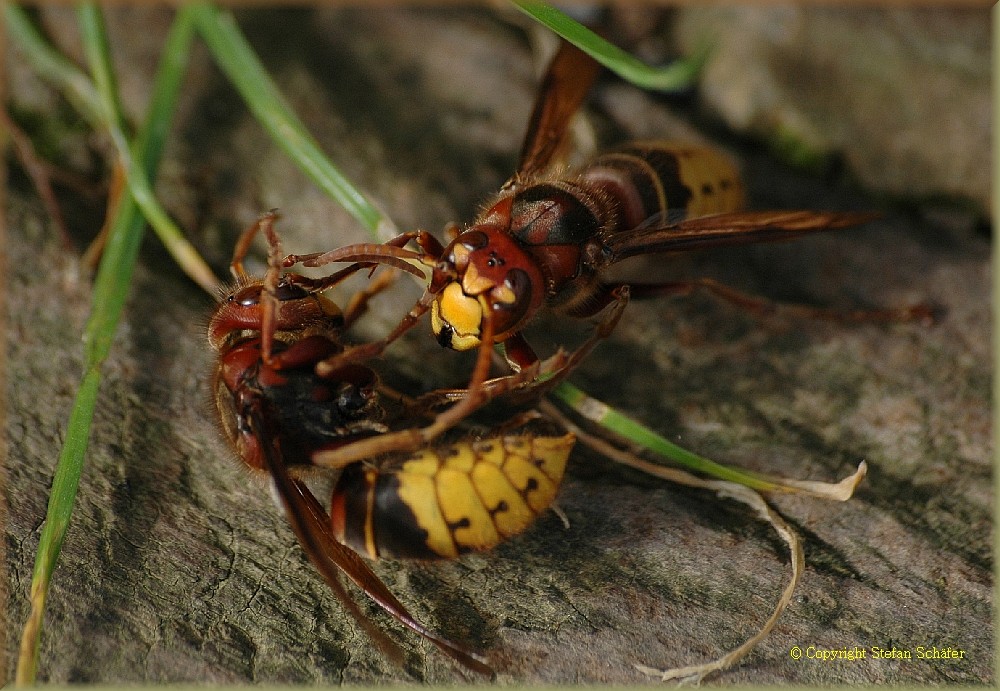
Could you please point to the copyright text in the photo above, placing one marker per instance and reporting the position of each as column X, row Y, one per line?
column 874, row 652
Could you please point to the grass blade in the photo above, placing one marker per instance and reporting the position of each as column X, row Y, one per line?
column 52, row 66
column 675, row 76
column 99, row 56
column 110, row 291
column 241, row 65
column 632, row 430
column 94, row 102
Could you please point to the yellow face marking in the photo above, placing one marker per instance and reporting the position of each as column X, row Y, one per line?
column 460, row 253
column 474, row 283
column 463, row 314
column 503, row 293
column 437, row 324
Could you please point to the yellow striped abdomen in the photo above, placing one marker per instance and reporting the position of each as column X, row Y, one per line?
column 440, row 503
column 671, row 181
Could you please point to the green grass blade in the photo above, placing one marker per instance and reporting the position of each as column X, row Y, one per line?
column 634, row 431
column 99, row 56
column 110, row 292
column 678, row 75
column 92, row 104
column 237, row 59
column 52, row 66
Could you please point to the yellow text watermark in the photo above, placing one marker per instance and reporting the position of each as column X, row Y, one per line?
column 874, row 652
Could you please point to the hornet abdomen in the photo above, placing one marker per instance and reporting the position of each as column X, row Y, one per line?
column 439, row 503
